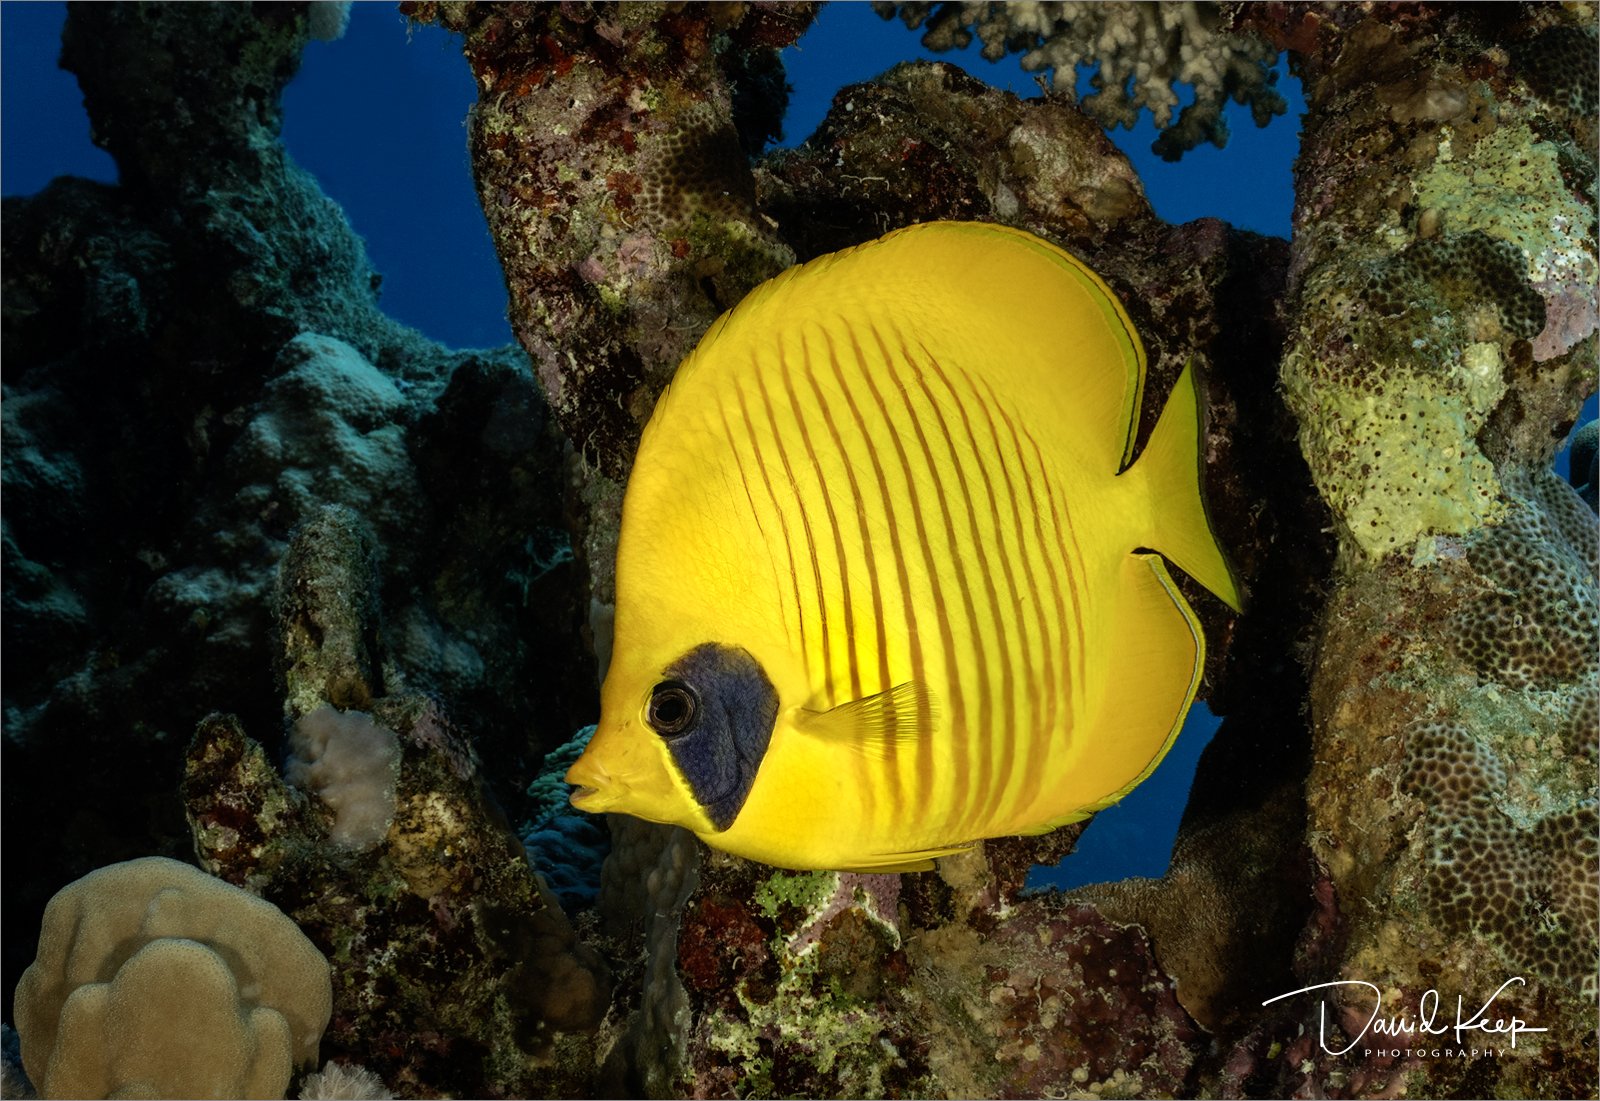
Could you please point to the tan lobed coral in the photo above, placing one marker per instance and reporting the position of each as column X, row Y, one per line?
column 154, row 979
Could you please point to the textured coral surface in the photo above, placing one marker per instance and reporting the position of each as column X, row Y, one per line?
column 1444, row 337
column 236, row 494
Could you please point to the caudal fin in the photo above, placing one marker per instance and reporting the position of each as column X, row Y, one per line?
column 1170, row 467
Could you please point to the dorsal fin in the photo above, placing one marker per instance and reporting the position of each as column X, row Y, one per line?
column 873, row 724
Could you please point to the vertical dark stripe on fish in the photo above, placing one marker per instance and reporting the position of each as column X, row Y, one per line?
column 755, row 514
column 1070, row 553
column 892, row 763
column 805, row 524
column 924, row 790
column 827, row 492
column 888, row 762
column 1050, row 554
column 961, row 728
column 1011, row 636
column 982, row 735
column 783, row 523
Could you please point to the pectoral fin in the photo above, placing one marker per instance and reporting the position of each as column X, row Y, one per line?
column 875, row 725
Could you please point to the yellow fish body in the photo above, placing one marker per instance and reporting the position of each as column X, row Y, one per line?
column 887, row 581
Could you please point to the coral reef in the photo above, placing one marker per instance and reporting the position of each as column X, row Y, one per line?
column 608, row 144
column 154, row 979
column 195, row 362
column 1142, row 52
column 620, row 118
column 1445, row 320
column 837, row 984
column 283, row 504
column 452, row 971
column 1527, row 892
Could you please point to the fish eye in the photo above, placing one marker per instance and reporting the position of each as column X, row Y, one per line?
column 673, row 706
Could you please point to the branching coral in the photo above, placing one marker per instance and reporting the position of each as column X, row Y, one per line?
column 1144, row 51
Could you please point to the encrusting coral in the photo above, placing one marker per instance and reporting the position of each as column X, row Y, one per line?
column 436, row 926
column 1143, row 52
column 1526, row 892
column 154, row 979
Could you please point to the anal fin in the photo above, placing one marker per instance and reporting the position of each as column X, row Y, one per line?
column 921, row 861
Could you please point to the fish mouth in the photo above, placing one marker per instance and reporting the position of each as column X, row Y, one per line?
column 590, row 792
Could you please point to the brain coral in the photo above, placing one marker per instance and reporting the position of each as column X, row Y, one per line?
column 1527, row 892
column 1534, row 623
column 154, row 979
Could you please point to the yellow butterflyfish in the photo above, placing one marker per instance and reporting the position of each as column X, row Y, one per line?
column 889, row 580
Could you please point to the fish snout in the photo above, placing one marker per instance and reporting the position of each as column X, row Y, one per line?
column 596, row 790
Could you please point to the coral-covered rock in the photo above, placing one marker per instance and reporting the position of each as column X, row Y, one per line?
column 609, row 147
column 1445, row 322
column 452, row 971
column 828, row 984
column 195, row 363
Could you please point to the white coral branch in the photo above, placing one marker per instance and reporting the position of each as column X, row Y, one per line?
column 1144, row 50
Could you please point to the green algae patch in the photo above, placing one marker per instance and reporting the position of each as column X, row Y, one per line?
column 836, row 1034
column 807, row 891
column 807, row 1016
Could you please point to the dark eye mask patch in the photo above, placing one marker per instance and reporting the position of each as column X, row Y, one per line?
column 722, row 749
